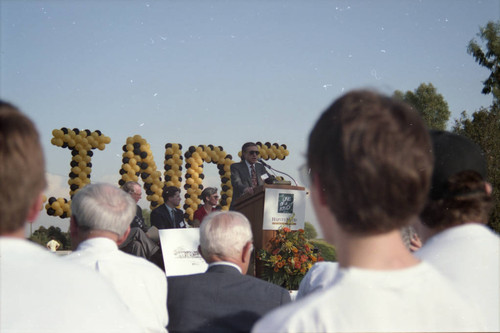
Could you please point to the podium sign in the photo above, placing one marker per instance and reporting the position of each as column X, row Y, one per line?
column 180, row 251
column 280, row 205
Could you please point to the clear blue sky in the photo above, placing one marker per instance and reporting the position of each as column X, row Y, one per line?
column 223, row 72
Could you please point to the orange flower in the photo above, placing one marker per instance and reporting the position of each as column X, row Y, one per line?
column 285, row 229
column 276, row 269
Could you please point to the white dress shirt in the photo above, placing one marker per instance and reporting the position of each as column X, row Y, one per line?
column 39, row 292
column 320, row 276
column 469, row 255
column 415, row 299
column 142, row 285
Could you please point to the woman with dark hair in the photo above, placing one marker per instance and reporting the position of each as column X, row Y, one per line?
column 210, row 199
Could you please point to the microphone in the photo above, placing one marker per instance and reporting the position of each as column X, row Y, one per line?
column 272, row 169
column 261, row 161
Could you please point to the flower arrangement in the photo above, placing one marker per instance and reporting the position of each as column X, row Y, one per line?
column 287, row 258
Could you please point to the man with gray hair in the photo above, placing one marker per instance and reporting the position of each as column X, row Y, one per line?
column 223, row 299
column 100, row 220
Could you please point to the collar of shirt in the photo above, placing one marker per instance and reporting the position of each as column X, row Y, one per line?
column 101, row 243
column 249, row 166
column 227, row 263
column 170, row 210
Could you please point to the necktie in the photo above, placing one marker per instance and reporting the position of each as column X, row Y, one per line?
column 172, row 217
column 254, row 176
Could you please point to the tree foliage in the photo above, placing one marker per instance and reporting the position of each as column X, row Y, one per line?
column 489, row 57
column 483, row 127
column 42, row 235
column 326, row 249
column 429, row 103
column 309, row 231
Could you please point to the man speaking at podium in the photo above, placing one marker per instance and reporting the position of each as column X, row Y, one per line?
column 247, row 174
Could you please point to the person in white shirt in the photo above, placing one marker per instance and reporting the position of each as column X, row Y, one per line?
column 38, row 291
column 453, row 224
column 100, row 221
column 370, row 163
column 322, row 274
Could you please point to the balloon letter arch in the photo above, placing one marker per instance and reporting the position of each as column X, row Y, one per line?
column 138, row 164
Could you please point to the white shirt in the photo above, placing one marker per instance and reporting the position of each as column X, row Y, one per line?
column 469, row 255
column 39, row 292
column 226, row 263
column 320, row 276
column 415, row 299
column 141, row 285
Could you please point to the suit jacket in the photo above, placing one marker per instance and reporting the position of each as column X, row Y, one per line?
column 160, row 218
column 241, row 178
column 220, row 300
column 138, row 221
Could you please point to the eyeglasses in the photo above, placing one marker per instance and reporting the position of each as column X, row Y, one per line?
column 305, row 175
column 254, row 152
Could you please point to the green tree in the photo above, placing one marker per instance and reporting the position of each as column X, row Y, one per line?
column 429, row 103
column 483, row 127
column 42, row 235
column 489, row 57
column 326, row 250
column 309, row 231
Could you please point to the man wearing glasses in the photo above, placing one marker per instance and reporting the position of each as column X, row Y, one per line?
column 246, row 175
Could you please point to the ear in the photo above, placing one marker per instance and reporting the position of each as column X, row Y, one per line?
column 317, row 190
column 34, row 209
column 247, row 252
column 201, row 253
column 488, row 188
column 123, row 237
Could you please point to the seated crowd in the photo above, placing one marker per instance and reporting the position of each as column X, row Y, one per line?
column 378, row 178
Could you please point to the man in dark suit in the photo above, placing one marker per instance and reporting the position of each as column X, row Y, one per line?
column 223, row 299
column 247, row 174
column 167, row 216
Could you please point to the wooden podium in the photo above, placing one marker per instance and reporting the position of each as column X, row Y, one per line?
column 253, row 206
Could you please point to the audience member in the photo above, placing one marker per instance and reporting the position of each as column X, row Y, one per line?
column 210, row 199
column 223, row 299
column 138, row 243
column 52, row 245
column 101, row 215
column 135, row 191
column 370, row 164
column 168, row 216
column 38, row 291
column 453, row 223
column 247, row 174
column 322, row 274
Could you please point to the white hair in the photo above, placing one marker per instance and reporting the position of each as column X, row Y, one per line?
column 103, row 207
column 224, row 234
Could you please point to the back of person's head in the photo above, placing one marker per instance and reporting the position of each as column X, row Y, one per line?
column 169, row 191
column 103, row 207
column 458, row 192
column 224, row 234
column 130, row 186
column 370, row 156
column 207, row 192
column 22, row 167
